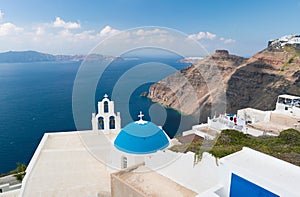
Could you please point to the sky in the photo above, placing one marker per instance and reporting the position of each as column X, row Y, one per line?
column 76, row 27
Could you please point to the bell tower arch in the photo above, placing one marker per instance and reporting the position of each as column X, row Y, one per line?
column 106, row 119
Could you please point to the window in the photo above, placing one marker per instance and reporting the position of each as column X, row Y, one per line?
column 112, row 124
column 101, row 123
column 105, row 104
column 281, row 100
column 124, row 162
column 297, row 102
column 288, row 101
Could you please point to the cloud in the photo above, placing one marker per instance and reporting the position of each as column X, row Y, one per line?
column 67, row 25
column 9, row 29
column 65, row 37
column 210, row 36
column 203, row 35
column 40, row 31
column 65, row 33
column 65, row 40
column 150, row 32
column 108, row 31
column 83, row 36
column 57, row 37
column 227, row 41
column 1, row 15
column 149, row 36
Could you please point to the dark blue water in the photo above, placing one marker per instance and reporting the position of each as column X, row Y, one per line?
column 34, row 98
column 37, row 97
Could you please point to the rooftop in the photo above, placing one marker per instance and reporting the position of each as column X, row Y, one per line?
column 189, row 138
column 151, row 183
column 277, row 123
column 208, row 130
column 279, row 173
column 62, row 166
column 289, row 96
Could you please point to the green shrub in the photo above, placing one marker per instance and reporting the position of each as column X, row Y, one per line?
column 19, row 172
column 287, row 143
column 286, row 146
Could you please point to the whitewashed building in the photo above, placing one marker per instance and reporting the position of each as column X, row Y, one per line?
column 285, row 40
column 246, row 173
column 288, row 105
column 253, row 121
column 135, row 161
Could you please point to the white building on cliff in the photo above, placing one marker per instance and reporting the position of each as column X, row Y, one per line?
column 253, row 121
column 285, row 40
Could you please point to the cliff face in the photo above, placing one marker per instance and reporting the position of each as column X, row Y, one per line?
column 267, row 74
column 197, row 87
column 254, row 82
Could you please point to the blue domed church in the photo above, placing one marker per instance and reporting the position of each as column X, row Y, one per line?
column 132, row 143
column 141, row 137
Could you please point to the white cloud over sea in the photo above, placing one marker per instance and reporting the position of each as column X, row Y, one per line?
column 61, row 36
column 227, row 40
column 212, row 41
column 108, row 31
column 9, row 29
column 203, row 35
column 67, row 25
column 210, row 36
column 58, row 37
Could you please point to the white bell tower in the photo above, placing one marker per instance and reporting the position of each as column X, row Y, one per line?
column 106, row 120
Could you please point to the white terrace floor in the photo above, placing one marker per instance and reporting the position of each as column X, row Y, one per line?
column 64, row 167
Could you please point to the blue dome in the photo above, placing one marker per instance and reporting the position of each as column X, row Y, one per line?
column 141, row 138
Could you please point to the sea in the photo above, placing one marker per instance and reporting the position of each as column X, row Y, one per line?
column 37, row 97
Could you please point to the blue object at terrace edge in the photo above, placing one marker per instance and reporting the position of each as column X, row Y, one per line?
column 141, row 138
column 242, row 187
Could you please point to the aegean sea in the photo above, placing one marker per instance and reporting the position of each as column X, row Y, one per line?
column 37, row 98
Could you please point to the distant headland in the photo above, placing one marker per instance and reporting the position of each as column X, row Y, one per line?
column 35, row 56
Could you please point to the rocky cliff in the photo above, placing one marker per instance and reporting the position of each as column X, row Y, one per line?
column 232, row 81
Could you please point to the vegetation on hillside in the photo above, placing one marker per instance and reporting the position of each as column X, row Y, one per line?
column 293, row 49
column 19, row 172
column 286, row 146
